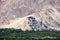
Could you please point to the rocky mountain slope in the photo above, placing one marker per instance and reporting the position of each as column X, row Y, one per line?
column 30, row 14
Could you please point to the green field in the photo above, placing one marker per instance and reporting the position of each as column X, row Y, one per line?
column 18, row 34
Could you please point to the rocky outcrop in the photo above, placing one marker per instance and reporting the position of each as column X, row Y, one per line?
column 45, row 14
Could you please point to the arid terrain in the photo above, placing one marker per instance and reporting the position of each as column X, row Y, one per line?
column 15, row 14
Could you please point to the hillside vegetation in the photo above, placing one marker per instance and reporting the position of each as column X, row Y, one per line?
column 17, row 34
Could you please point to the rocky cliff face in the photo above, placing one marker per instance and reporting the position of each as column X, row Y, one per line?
column 15, row 13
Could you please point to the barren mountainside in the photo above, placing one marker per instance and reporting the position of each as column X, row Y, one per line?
column 30, row 14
